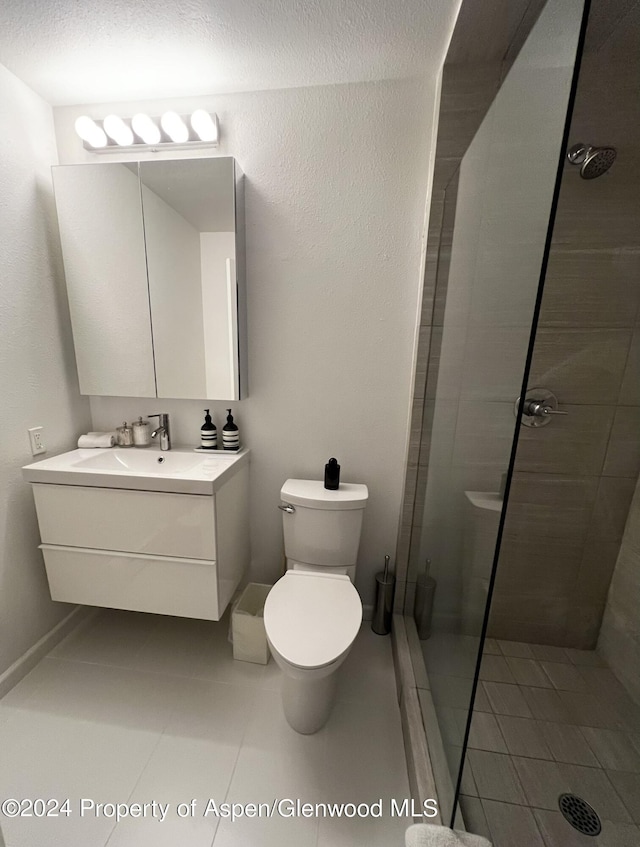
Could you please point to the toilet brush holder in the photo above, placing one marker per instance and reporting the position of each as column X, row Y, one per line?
column 383, row 609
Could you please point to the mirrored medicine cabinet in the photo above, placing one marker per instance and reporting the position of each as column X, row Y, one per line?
column 153, row 256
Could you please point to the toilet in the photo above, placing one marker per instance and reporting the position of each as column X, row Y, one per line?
column 313, row 613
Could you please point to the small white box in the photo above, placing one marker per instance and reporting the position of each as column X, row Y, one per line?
column 247, row 625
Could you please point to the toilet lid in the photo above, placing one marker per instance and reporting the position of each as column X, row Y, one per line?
column 312, row 618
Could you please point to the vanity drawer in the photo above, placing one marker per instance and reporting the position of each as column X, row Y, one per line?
column 163, row 585
column 165, row 524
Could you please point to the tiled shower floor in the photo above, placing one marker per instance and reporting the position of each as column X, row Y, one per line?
column 549, row 721
column 136, row 708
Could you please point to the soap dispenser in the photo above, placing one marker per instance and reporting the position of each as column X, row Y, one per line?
column 332, row 475
column 208, row 433
column 230, row 434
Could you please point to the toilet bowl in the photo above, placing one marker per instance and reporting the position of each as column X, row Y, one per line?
column 313, row 613
column 311, row 620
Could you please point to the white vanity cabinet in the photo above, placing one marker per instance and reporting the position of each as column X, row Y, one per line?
column 144, row 550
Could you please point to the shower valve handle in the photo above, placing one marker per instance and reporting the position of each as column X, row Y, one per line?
column 539, row 406
column 539, row 409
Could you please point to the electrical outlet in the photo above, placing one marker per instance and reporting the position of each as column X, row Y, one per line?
column 36, row 439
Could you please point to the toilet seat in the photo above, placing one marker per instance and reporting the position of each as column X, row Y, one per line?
column 311, row 619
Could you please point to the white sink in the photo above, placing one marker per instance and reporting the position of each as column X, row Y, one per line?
column 178, row 470
column 137, row 461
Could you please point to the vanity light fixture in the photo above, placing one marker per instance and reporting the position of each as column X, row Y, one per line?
column 171, row 130
column 175, row 127
column 145, row 128
column 117, row 130
column 205, row 126
column 91, row 133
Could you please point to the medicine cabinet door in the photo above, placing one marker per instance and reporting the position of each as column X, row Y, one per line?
column 101, row 232
column 189, row 212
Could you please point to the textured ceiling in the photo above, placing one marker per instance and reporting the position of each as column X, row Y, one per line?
column 77, row 51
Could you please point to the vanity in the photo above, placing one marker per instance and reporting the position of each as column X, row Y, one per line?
column 148, row 531
column 153, row 255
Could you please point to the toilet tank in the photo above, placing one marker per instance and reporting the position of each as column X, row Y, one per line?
column 324, row 528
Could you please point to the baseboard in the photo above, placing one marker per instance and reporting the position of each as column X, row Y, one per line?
column 80, row 616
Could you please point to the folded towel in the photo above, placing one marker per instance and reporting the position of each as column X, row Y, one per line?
column 97, row 439
column 430, row 835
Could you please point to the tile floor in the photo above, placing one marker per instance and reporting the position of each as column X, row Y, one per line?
column 137, row 708
column 550, row 721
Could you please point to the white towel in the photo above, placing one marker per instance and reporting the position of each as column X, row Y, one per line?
column 430, row 835
column 97, row 439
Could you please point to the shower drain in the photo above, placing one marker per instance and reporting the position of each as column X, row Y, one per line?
column 580, row 814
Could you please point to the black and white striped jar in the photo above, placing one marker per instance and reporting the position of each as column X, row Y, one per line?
column 230, row 434
column 208, row 433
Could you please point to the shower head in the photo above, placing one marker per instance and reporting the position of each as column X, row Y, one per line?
column 594, row 161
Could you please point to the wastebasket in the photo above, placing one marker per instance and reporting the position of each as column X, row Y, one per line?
column 247, row 625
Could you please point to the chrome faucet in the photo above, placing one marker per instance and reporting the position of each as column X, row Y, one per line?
column 162, row 430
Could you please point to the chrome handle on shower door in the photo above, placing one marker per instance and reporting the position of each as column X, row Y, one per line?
column 539, row 405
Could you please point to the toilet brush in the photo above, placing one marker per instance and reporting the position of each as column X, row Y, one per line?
column 385, row 584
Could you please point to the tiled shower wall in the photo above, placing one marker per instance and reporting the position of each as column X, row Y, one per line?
column 619, row 640
column 575, row 478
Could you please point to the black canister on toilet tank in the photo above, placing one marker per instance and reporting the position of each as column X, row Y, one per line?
column 332, row 475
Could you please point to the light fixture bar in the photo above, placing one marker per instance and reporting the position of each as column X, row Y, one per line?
column 142, row 132
column 150, row 148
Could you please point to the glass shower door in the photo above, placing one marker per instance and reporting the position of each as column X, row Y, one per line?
column 496, row 220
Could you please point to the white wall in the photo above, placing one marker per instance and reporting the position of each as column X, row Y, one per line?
column 336, row 178
column 38, row 383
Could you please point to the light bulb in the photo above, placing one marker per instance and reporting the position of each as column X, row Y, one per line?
column 145, row 128
column 117, row 129
column 205, row 125
column 90, row 132
column 175, row 127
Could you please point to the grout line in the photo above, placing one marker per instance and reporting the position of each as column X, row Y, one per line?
column 137, row 782
column 627, row 362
